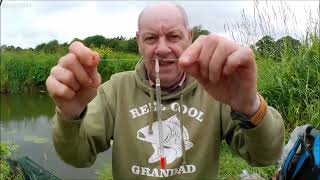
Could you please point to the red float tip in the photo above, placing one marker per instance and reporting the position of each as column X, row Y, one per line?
column 162, row 162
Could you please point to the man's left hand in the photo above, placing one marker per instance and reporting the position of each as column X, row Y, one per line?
column 226, row 70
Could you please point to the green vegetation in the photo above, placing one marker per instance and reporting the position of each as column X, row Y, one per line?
column 231, row 166
column 105, row 173
column 25, row 70
column 288, row 77
column 5, row 171
column 293, row 85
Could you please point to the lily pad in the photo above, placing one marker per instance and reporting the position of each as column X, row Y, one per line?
column 36, row 139
column 10, row 132
column 40, row 140
column 29, row 138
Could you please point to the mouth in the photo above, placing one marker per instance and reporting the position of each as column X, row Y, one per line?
column 167, row 61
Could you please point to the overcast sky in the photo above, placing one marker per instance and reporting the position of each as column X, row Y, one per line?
column 29, row 23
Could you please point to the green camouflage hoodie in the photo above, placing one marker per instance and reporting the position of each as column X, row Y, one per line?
column 194, row 124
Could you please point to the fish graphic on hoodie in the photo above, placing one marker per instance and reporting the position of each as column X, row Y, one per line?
column 172, row 141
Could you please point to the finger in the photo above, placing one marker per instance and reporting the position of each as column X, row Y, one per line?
column 95, row 76
column 188, row 61
column 65, row 76
column 58, row 90
column 192, row 53
column 218, row 59
column 96, row 58
column 93, row 71
column 71, row 62
column 208, row 49
column 243, row 57
column 83, row 53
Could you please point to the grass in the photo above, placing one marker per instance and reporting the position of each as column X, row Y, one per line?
column 105, row 173
column 5, row 171
column 231, row 166
column 293, row 85
column 25, row 70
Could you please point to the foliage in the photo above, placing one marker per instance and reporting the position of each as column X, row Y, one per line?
column 266, row 47
column 26, row 70
column 231, row 166
column 197, row 31
column 117, row 44
column 293, row 84
column 5, row 171
column 52, row 47
column 105, row 173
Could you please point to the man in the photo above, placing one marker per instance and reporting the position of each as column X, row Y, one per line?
column 208, row 95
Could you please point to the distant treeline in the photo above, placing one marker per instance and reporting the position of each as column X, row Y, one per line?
column 120, row 43
column 266, row 47
column 116, row 44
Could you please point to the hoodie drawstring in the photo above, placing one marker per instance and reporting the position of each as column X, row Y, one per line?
column 151, row 119
column 151, row 95
column 181, row 128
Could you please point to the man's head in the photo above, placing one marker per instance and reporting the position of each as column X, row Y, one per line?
column 163, row 33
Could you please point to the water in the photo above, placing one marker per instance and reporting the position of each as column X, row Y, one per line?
column 26, row 121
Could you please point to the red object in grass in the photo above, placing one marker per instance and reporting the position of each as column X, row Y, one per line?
column 162, row 162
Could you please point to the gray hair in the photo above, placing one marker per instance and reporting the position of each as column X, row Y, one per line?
column 179, row 7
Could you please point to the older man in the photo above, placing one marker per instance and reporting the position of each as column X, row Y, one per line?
column 208, row 95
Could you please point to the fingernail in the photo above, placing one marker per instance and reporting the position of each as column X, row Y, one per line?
column 90, row 81
column 185, row 59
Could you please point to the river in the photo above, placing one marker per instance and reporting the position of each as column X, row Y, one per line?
column 26, row 121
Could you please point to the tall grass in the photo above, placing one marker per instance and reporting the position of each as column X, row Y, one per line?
column 25, row 70
column 293, row 84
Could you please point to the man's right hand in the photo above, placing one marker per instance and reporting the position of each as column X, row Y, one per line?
column 74, row 81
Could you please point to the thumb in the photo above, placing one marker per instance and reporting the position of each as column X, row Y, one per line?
column 95, row 58
column 93, row 70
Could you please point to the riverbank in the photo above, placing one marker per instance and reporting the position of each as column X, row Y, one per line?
column 291, row 85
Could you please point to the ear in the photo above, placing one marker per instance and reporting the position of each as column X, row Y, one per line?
column 138, row 40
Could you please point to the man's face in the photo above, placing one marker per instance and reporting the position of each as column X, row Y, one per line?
column 163, row 35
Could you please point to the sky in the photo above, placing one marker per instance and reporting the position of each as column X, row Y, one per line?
column 29, row 23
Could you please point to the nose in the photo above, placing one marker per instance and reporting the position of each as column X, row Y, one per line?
column 162, row 49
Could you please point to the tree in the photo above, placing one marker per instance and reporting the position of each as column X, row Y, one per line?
column 288, row 44
column 96, row 41
column 197, row 31
column 266, row 47
column 133, row 45
column 52, row 47
column 75, row 39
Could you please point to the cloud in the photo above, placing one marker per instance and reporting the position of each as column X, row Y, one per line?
column 29, row 23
